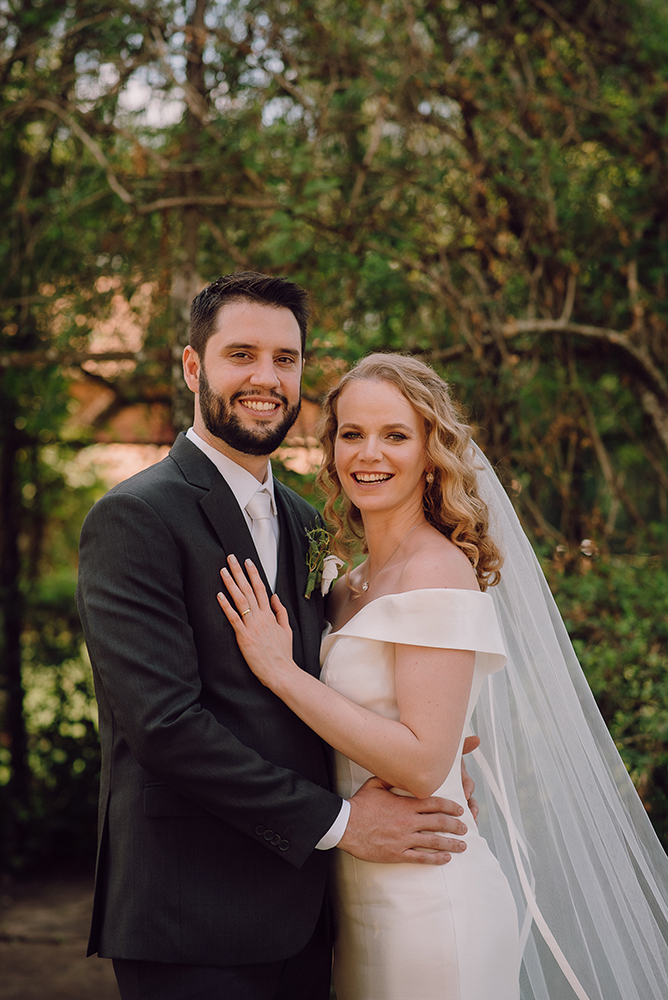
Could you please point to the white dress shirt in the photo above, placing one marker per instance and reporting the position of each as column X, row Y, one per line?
column 244, row 485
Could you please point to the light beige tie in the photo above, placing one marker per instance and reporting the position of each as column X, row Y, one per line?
column 259, row 510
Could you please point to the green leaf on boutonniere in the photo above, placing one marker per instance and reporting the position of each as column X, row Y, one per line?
column 322, row 565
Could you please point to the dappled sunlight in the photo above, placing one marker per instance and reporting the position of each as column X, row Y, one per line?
column 112, row 463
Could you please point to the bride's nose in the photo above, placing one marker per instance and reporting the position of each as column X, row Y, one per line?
column 370, row 450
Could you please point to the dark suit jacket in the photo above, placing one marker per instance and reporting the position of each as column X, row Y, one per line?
column 213, row 794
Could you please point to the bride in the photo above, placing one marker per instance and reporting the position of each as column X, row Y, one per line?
column 417, row 640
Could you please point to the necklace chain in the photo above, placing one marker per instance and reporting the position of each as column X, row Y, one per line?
column 365, row 585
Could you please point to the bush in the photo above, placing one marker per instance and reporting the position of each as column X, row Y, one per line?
column 59, row 819
column 616, row 611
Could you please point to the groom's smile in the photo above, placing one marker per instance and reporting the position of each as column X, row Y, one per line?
column 260, row 406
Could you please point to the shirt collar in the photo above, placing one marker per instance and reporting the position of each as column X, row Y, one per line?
column 243, row 483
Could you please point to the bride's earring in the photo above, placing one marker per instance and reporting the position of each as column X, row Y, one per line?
column 430, row 478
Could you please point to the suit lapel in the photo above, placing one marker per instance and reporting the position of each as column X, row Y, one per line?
column 218, row 503
column 221, row 509
column 227, row 520
column 292, row 563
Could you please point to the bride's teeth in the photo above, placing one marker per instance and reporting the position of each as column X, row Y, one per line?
column 370, row 477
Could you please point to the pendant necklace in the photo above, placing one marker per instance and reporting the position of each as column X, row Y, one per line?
column 365, row 585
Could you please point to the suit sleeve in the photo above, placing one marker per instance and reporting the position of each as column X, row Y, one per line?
column 132, row 605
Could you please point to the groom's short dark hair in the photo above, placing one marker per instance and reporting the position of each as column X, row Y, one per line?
column 253, row 287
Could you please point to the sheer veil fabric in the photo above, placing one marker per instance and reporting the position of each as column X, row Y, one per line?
column 558, row 809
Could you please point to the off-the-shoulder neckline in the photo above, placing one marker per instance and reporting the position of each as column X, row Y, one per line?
column 425, row 590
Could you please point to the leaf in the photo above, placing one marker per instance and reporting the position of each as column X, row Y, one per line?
column 310, row 584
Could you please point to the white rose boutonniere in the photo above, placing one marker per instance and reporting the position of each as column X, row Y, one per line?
column 323, row 566
column 330, row 570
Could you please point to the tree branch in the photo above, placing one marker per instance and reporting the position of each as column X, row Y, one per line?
column 228, row 247
column 178, row 201
column 197, row 105
column 657, row 413
column 51, row 356
column 91, row 145
column 567, row 311
column 613, row 481
column 637, row 351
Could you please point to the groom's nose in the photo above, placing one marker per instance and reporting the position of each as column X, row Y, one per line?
column 264, row 374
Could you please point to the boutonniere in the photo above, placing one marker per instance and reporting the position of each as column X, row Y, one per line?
column 323, row 566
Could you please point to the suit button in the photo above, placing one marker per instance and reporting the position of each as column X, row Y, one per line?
column 268, row 834
column 276, row 839
column 260, row 830
column 284, row 844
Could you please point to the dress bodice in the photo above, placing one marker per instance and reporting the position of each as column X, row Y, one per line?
column 358, row 660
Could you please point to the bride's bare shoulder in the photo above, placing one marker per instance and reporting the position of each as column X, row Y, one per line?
column 437, row 562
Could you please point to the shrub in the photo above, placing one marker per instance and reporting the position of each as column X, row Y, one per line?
column 616, row 611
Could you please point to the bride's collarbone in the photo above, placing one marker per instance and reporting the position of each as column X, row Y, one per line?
column 396, row 577
column 358, row 599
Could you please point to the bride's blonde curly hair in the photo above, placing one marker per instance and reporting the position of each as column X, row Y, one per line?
column 451, row 502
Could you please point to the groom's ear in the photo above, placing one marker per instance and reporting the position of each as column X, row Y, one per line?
column 191, row 368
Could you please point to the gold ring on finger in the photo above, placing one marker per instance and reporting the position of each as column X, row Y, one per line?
column 246, row 612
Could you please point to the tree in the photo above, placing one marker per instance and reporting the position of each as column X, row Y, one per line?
column 484, row 184
column 40, row 246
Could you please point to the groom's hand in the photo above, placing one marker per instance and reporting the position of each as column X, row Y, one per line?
column 390, row 828
column 468, row 784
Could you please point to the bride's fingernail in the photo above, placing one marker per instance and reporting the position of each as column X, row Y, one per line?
column 232, row 559
column 225, row 571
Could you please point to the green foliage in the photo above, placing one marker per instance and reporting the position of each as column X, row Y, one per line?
column 64, row 756
column 53, row 813
column 58, row 818
column 616, row 612
column 484, row 184
column 302, row 484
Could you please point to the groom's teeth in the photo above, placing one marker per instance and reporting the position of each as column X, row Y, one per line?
column 256, row 404
column 372, row 477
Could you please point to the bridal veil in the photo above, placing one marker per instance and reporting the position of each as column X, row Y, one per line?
column 558, row 808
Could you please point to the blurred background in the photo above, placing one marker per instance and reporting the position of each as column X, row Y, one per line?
column 481, row 184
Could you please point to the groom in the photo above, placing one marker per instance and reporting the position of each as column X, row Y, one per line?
column 216, row 814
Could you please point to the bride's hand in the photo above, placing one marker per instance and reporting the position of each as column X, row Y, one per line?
column 262, row 628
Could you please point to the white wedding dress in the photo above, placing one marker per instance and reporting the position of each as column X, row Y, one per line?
column 410, row 931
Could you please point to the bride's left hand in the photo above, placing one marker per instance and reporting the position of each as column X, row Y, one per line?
column 262, row 627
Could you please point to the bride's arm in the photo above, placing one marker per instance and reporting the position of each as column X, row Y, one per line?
column 414, row 753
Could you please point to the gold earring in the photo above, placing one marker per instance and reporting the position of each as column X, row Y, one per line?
column 430, row 478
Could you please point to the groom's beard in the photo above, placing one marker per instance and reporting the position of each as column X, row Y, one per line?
column 220, row 421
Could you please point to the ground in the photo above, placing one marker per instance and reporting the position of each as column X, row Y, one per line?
column 43, row 934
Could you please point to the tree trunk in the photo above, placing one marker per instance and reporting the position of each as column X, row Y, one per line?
column 186, row 281
column 11, row 608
